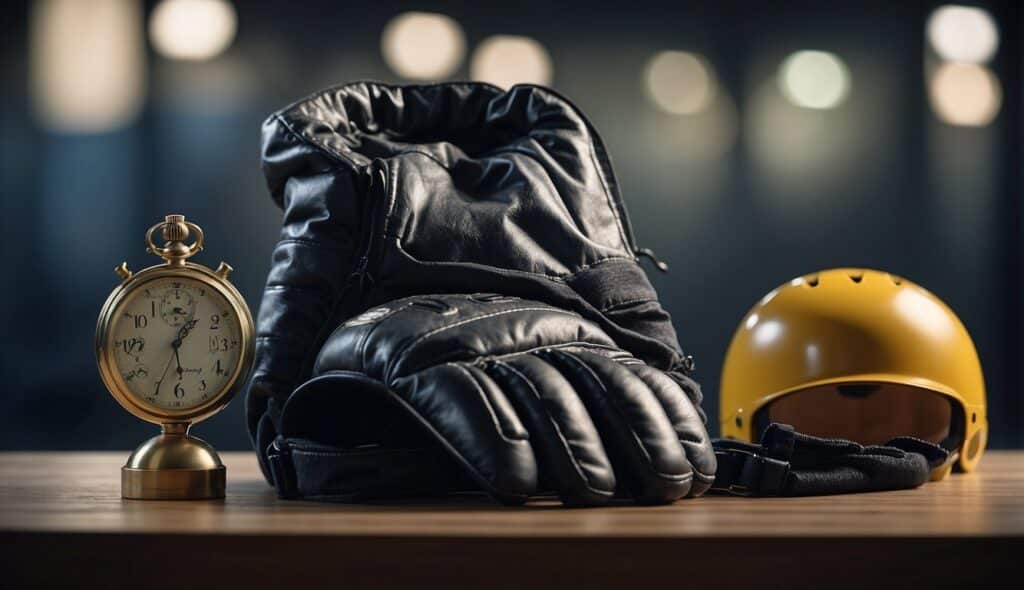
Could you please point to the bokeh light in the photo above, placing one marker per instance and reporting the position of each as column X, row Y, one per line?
column 679, row 82
column 87, row 64
column 423, row 45
column 965, row 94
column 963, row 33
column 192, row 29
column 814, row 79
column 506, row 60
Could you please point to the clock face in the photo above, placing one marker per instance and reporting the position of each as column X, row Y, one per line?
column 176, row 342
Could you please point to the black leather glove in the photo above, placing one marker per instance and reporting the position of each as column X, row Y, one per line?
column 527, row 398
column 393, row 191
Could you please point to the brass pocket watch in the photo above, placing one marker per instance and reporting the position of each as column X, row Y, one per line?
column 173, row 343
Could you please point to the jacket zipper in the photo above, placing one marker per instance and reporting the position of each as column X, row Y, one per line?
column 361, row 275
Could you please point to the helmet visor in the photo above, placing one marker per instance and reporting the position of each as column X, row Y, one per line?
column 868, row 413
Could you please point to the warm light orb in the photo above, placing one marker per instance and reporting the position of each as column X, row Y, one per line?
column 87, row 64
column 963, row 33
column 506, row 60
column 814, row 79
column 965, row 94
column 680, row 83
column 192, row 29
column 423, row 45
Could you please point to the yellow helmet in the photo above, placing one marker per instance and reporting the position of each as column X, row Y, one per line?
column 857, row 354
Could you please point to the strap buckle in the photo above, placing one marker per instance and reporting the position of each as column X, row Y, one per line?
column 279, row 458
column 747, row 473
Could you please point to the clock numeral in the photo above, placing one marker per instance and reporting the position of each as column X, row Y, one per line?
column 202, row 385
column 218, row 369
column 141, row 372
column 215, row 322
column 130, row 345
column 218, row 344
column 141, row 321
column 179, row 391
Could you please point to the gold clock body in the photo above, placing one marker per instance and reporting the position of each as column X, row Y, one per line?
column 174, row 464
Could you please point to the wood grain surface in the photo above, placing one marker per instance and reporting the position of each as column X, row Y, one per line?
column 62, row 518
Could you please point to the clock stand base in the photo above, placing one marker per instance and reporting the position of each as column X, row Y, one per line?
column 173, row 466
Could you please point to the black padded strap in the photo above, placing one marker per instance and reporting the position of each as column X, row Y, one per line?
column 788, row 463
column 304, row 469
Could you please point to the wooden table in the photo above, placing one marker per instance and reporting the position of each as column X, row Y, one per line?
column 62, row 520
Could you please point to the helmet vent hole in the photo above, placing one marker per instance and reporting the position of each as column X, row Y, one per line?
column 812, row 280
column 974, row 417
column 857, row 277
column 895, row 280
column 739, row 422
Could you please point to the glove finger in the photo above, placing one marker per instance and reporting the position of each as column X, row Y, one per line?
column 686, row 422
column 569, row 452
column 641, row 442
column 468, row 413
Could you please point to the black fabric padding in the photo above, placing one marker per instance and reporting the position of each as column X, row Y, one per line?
column 364, row 473
column 788, row 463
column 526, row 398
column 397, row 475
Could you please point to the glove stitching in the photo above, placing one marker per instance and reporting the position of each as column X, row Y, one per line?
column 351, row 452
column 328, row 151
column 617, row 304
column 308, row 242
column 400, row 357
column 490, row 408
column 703, row 477
column 393, row 193
column 565, row 345
column 558, row 431
column 285, row 287
column 640, row 445
column 361, row 345
column 561, row 277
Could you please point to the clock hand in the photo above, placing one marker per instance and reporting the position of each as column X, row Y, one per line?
column 175, row 344
column 177, row 358
column 164, row 374
column 186, row 330
column 182, row 334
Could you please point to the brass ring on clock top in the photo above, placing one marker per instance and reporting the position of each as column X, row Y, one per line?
column 175, row 230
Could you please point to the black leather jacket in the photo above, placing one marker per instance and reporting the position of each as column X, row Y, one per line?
column 391, row 191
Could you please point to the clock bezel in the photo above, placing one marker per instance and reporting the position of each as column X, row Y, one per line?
column 105, row 355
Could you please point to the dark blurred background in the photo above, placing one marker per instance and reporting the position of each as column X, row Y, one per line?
column 755, row 141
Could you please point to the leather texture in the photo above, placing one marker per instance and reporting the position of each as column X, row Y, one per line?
column 528, row 398
column 392, row 191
